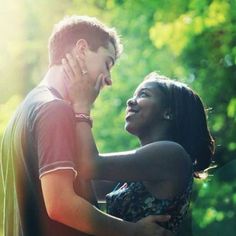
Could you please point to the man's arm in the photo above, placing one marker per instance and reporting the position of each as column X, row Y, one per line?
column 64, row 206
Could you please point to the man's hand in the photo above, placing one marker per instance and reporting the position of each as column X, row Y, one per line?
column 148, row 226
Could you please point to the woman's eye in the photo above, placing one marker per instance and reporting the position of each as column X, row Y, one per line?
column 143, row 94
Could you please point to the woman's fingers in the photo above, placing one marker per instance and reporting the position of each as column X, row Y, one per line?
column 74, row 65
column 99, row 83
column 67, row 69
column 82, row 68
column 80, row 85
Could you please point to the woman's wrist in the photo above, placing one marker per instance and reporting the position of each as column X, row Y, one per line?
column 83, row 117
column 81, row 108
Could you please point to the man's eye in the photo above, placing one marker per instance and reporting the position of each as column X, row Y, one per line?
column 108, row 66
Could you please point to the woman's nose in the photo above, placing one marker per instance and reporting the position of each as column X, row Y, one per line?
column 131, row 101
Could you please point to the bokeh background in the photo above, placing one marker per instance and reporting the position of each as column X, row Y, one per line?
column 193, row 41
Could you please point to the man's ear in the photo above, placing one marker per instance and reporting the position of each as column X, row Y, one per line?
column 81, row 48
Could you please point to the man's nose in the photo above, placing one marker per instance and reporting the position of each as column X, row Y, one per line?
column 107, row 80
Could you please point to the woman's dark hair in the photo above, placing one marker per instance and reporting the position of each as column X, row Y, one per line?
column 188, row 118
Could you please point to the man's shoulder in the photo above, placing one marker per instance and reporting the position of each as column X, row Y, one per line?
column 48, row 101
column 43, row 97
column 41, row 101
column 42, row 94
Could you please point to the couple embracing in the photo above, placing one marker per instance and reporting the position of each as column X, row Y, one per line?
column 49, row 155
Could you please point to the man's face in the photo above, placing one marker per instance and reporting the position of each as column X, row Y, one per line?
column 100, row 62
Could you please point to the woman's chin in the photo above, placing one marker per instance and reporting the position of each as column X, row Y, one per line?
column 129, row 128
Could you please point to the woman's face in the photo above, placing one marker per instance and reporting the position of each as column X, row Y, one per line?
column 145, row 109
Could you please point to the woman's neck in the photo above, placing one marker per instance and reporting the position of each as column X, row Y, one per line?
column 155, row 135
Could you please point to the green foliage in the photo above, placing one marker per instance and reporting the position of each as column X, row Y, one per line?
column 189, row 40
column 231, row 109
column 217, row 197
column 6, row 110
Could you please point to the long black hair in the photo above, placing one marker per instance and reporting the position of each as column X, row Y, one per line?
column 188, row 121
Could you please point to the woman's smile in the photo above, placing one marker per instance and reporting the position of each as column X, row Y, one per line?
column 130, row 112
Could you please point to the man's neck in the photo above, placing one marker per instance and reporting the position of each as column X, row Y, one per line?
column 55, row 78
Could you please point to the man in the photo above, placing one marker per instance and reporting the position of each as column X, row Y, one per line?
column 42, row 191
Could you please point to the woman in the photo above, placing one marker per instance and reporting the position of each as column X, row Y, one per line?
column 169, row 120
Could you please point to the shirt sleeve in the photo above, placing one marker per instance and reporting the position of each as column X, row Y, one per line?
column 55, row 138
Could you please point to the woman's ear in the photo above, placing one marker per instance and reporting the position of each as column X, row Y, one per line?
column 167, row 115
column 81, row 48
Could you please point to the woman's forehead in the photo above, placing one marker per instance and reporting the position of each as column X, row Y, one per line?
column 150, row 85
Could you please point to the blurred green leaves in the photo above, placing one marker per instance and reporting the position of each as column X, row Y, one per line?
column 231, row 109
column 6, row 110
column 178, row 33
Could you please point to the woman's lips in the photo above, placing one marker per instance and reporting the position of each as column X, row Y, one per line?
column 130, row 112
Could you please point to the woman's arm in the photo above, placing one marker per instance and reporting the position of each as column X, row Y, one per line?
column 159, row 161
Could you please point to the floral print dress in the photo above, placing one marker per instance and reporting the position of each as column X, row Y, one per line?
column 132, row 201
